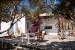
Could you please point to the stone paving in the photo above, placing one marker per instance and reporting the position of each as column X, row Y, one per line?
column 54, row 43
column 50, row 43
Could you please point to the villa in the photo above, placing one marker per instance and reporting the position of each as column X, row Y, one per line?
column 50, row 25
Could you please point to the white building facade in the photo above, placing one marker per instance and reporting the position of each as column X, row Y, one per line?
column 21, row 25
column 49, row 25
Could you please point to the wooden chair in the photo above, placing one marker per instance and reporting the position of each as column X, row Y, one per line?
column 19, row 32
column 40, row 35
column 72, row 34
column 61, row 35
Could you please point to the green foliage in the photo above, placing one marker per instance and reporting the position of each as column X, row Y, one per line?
column 66, row 7
column 34, row 8
column 6, row 8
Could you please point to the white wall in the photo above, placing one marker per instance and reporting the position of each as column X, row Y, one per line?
column 21, row 24
column 50, row 22
column 5, row 26
column 28, row 25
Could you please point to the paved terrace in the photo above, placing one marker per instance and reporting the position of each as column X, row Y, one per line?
column 49, row 43
column 54, row 43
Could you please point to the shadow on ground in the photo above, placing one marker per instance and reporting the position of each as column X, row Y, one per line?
column 70, row 45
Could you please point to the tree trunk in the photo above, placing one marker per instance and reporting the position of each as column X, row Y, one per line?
column 12, row 23
column 0, row 25
column 38, row 33
column 38, row 29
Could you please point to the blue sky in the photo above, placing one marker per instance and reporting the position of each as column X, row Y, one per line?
column 26, row 2
column 23, row 2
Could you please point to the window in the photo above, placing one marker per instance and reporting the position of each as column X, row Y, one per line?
column 48, row 27
column 27, row 25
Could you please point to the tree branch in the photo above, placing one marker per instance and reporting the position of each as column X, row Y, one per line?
column 12, row 23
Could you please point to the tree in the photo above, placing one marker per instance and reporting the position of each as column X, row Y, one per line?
column 35, row 8
column 67, row 8
column 31, row 10
column 9, row 10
